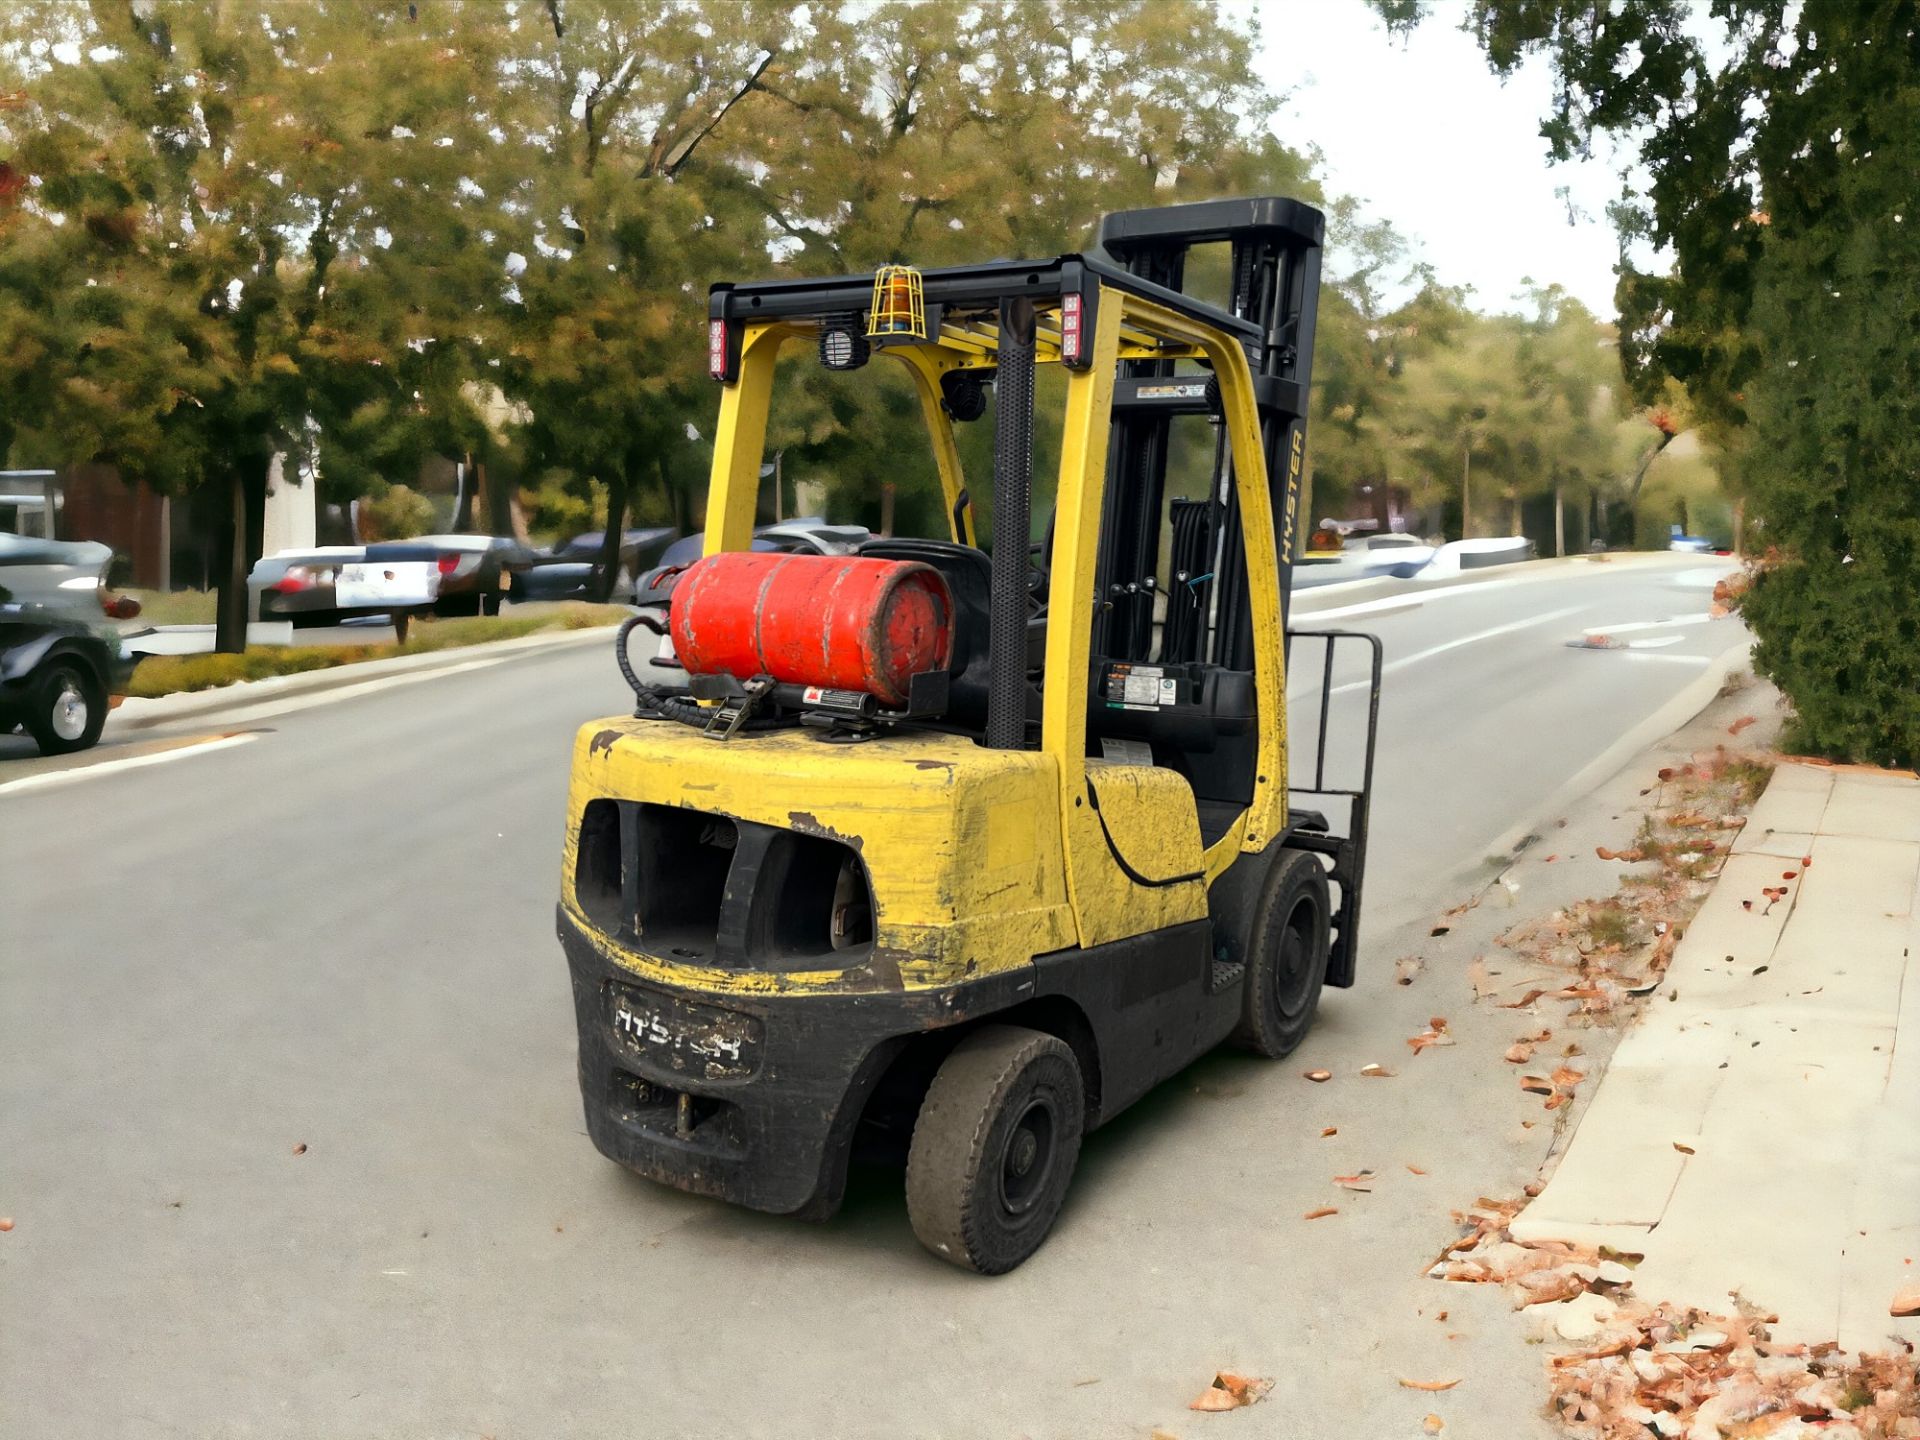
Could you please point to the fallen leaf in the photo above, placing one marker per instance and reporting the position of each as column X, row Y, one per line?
column 1536, row 1084
column 1430, row 1384
column 6, row 1223
column 1746, row 904
column 1415, row 1169
column 1519, row 1053
column 1532, row 1188
column 1666, row 773
column 1740, row 724
column 1213, row 1398
column 1427, row 1038
column 1805, row 861
column 1362, row 1181
column 1480, row 978
column 1433, row 1424
column 1906, row 1300
column 1319, row 1077
column 1788, row 874
column 1230, row 1392
column 1321, row 1213
column 1330, row 1130
column 1406, row 967
column 1524, row 1001
column 1567, row 1075
column 1550, row 859
column 1376, row 1072
column 1683, row 1149
column 301, row 1148
column 1440, row 929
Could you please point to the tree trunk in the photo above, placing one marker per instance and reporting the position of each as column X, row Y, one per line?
column 463, row 495
column 499, row 501
column 1739, row 528
column 1466, row 491
column 1559, row 521
column 241, row 533
column 606, row 571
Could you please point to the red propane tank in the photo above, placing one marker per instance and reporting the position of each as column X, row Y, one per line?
column 842, row 622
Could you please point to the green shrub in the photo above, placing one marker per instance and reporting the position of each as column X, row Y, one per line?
column 399, row 514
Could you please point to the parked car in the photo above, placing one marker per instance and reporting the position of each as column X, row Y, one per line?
column 567, row 572
column 298, row 585
column 61, row 658
column 477, row 572
column 441, row 574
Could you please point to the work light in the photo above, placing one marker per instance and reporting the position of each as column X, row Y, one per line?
column 842, row 345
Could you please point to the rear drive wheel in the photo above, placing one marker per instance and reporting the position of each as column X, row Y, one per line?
column 66, row 708
column 1286, row 957
column 994, row 1148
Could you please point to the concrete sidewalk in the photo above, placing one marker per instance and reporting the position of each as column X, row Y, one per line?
column 1758, row 1131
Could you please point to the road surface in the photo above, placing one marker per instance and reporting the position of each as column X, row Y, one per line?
column 290, row 1134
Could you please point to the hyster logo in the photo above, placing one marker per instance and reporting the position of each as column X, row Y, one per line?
column 1295, row 454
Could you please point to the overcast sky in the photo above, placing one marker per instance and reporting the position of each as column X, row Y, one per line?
column 1424, row 133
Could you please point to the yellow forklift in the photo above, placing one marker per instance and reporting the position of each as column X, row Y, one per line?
column 958, row 851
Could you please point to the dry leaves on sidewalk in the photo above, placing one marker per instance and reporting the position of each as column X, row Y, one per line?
column 1229, row 1392
column 1434, row 1034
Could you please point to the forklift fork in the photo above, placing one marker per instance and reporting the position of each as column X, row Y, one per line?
column 1310, row 828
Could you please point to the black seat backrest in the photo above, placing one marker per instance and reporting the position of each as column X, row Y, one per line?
column 969, row 574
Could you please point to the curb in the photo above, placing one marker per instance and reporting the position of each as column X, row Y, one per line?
column 139, row 714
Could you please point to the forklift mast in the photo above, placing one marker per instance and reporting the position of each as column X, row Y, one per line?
column 1275, row 285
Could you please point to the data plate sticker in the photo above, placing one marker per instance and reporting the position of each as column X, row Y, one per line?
column 687, row 1038
column 1141, row 687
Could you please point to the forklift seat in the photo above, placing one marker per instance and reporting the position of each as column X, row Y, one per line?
column 969, row 575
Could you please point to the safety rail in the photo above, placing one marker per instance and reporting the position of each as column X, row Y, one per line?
column 1349, row 851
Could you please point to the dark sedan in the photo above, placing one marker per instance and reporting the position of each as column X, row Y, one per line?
column 61, row 659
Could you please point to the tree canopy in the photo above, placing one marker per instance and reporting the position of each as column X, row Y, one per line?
column 1779, row 144
column 361, row 233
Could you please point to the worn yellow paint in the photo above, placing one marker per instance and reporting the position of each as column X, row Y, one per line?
column 921, row 809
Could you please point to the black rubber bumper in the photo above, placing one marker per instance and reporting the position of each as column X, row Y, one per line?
column 753, row 1100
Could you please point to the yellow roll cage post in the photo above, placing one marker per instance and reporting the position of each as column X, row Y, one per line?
column 1072, row 861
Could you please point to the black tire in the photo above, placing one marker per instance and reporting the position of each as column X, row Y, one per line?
column 66, row 707
column 994, row 1148
column 1286, row 957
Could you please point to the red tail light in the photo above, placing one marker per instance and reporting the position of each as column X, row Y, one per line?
column 449, row 564
column 1071, row 338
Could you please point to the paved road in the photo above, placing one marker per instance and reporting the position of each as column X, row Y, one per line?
column 336, row 934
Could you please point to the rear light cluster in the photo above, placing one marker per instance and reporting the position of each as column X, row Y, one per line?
column 304, row 577
column 1072, row 339
column 717, row 349
column 449, row 564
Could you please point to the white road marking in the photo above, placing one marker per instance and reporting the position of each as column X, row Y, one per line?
column 1655, row 643
column 1671, row 659
column 1634, row 625
column 1531, row 622
column 1398, row 602
column 48, row 779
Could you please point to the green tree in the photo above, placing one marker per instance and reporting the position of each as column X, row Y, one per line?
column 1780, row 176
column 222, row 174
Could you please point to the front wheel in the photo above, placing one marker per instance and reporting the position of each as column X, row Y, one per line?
column 1286, row 956
column 66, row 708
column 994, row 1148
